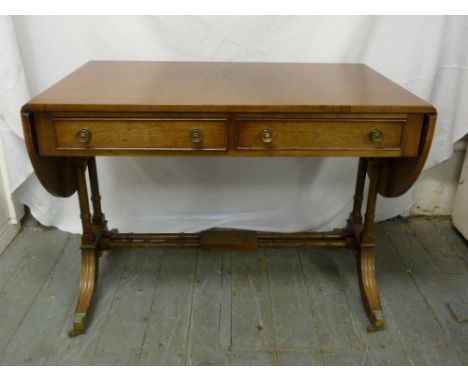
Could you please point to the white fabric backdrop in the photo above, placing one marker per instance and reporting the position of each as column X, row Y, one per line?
column 427, row 55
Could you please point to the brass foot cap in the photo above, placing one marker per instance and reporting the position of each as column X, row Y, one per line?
column 79, row 325
column 377, row 323
column 376, row 326
column 75, row 332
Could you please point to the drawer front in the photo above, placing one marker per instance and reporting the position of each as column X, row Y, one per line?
column 140, row 134
column 349, row 135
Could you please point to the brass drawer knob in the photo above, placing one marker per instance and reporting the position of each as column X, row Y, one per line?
column 83, row 135
column 376, row 135
column 266, row 135
column 196, row 136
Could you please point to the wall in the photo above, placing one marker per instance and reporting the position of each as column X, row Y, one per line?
column 460, row 209
column 436, row 188
column 10, row 212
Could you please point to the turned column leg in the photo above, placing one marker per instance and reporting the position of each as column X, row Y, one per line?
column 356, row 216
column 89, row 260
column 98, row 218
column 365, row 258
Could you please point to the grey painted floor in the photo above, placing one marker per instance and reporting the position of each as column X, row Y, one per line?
column 278, row 307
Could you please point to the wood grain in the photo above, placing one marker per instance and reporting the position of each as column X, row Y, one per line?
column 128, row 93
column 55, row 175
column 228, row 135
column 353, row 134
column 226, row 87
column 399, row 175
column 170, row 134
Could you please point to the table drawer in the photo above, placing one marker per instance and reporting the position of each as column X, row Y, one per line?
column 320, row 134
column 135, row 134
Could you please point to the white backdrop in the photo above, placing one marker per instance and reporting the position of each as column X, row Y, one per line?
column 427, row 55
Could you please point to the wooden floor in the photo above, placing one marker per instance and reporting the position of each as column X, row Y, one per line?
column 274, row 307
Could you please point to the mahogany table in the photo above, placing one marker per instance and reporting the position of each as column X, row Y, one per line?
column 228, row 109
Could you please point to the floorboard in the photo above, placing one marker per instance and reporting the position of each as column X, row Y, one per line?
column 252, row 311
column 122, row 333
column 208, row 337
column 437, row 285
column 25, row 283
column 166, row 337
column 271, row 307
column 333, row 319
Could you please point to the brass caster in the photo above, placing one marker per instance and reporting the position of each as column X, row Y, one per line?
column 371, row 328
column 79, row 325
column 378, row 322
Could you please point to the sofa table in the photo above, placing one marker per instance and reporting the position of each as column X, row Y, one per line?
column 116, row 108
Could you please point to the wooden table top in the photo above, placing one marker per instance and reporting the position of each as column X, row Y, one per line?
column 136, row 86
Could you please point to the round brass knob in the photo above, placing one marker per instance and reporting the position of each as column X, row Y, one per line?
column 83, row 135
column 196, row 136
column 376, row 135
column 266, row 135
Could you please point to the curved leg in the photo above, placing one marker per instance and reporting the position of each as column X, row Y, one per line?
column 88, row 280
column 365, row 258
column 89, row 258
column 368, row 286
